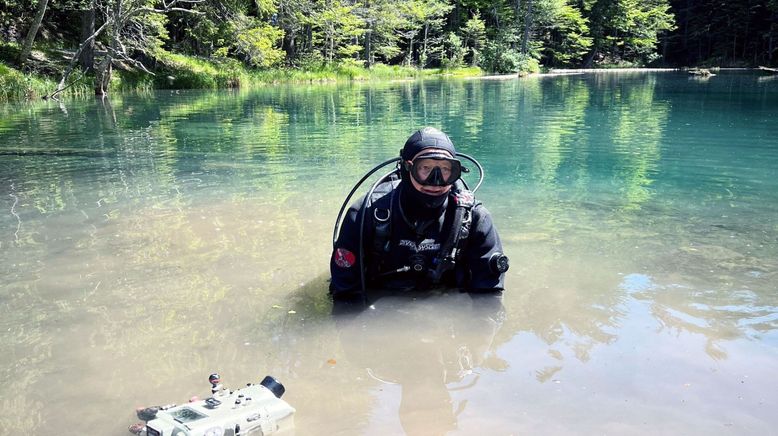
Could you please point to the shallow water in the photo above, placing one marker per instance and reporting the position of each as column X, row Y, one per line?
column 146, row 242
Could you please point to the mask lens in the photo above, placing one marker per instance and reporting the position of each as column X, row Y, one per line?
column 436, row 171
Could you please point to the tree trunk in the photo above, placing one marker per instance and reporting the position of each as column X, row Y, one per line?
column 409, row 56
column 103, row 76
column 685, row 24
column 518, row 21
column 527, row 27
column 36, row 24
column 770, row 43
column 105, row 68
column 424, row 46
column 87, row 57
column 368, row 53
column 590, row 59
column 332, row 46
column 289, row 45
column 664, row 44
column 745, row 36
column 455, row 21
column 368, row 37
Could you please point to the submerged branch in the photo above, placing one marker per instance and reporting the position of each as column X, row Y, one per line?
column 61, row 87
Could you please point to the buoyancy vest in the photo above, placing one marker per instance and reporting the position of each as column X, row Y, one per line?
column 458, row 222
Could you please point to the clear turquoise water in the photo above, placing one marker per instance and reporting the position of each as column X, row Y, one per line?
column 148, row 241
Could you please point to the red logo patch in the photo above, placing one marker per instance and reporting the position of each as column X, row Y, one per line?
column 464, row 198
column 343, row 258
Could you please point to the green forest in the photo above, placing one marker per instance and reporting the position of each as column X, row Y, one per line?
column 85, row 45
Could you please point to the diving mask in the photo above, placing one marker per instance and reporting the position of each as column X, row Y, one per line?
column 434, row 169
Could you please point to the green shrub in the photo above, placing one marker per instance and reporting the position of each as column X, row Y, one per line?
column 351, row 68
column 179, row 71
column 15, row 85
column 388, row 72
column 176, row 71
column 126, row 81
column 527, row 64
column 499, row 57
column 9, row 52
column 453, row 52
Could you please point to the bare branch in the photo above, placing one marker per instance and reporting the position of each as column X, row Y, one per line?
column 172, row 6
column 69, row 70
column 118, row 16
column 61, row 87
column 138, row 64
column 173, row 3
column 162, row 11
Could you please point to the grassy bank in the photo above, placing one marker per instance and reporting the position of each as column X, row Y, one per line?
column 176, row 71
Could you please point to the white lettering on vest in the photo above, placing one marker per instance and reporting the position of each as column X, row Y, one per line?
column 425, row 245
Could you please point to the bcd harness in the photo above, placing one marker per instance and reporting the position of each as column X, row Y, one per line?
column 460, row 199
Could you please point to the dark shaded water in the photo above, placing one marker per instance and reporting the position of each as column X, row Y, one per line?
column 146, row 242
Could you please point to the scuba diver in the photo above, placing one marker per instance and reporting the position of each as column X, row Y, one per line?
column 418, row 227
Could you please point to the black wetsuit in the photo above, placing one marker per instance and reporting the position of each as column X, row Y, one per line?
column 417, row 233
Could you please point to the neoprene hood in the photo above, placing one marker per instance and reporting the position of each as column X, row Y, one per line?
column 427, row 137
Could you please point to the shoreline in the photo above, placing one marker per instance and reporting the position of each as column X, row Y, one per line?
column 555, row 72
column 20, row 91
column 643, row 70
column 611, row 70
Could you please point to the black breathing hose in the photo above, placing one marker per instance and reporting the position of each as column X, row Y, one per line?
column 350, row 194
column 362, row 211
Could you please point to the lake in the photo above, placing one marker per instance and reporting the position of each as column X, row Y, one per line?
column 148, row 241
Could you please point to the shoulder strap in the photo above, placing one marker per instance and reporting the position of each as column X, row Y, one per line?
column 463, row 202
column 382, row 217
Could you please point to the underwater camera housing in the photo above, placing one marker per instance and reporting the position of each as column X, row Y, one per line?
column 256, row 409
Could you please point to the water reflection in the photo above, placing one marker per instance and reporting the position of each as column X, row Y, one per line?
column 720, row 317
column 174, row 235
column 428, row 347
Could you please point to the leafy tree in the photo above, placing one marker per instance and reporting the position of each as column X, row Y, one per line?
column 340, row 28
column 646, row 20
column 503, row 55
column 256, row 42
column 13, row 16
column 474, row 34
column 382, row 18
column 426, row 17
column 132, row 26
column 237, row 28
column 626, row 30
column 293, row 19
column 564, row 34
column 738, row 32
column 453, row 51
column 498, row 35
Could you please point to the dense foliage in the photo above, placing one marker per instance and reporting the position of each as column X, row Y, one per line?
column 495, row 35
column 719, row 33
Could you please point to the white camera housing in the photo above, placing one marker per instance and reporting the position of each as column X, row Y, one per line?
column 256, row 409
